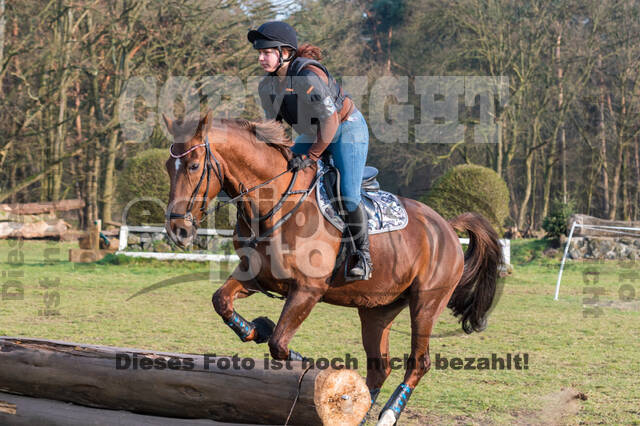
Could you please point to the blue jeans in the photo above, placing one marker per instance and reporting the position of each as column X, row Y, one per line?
column 349, row 150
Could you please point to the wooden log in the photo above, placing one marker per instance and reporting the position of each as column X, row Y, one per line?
column 181, row 385
column 42, row 207
column 584, row 219
column 26, row 218
column 18, row 410
column 49, row 229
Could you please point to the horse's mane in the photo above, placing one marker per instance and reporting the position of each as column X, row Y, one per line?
column 269, row 132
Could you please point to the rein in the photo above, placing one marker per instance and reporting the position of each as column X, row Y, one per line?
column 242, row 214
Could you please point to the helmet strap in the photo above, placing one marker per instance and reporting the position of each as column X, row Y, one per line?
column 281, row 60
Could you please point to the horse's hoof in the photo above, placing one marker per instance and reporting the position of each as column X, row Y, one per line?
column 388, row 418
column 264, row 329
column 296, row 356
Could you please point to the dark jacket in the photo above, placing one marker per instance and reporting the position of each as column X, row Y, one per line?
column 302, row 99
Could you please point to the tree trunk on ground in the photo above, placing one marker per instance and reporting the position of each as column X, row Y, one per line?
column 27, row 411
column 195, row 386
column 590, row 220
column 41, row 208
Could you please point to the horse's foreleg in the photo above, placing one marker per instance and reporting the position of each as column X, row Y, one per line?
column 299, row 304
column 258, row 330
column 425, row 307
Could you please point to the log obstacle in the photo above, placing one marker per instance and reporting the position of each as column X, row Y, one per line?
column 42, row 207
column 17, row 410
column 35, row 220
column 184, row 386
column 607, row 230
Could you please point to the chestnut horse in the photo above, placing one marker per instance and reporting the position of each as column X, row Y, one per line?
column 421, row 266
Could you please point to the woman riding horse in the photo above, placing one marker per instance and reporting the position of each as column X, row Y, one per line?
column 290, row 251
column 299, row 90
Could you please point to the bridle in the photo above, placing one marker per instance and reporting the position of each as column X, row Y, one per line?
column 210, row 160
column 205, row 172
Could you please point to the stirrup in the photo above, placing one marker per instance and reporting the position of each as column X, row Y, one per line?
column 359, row 275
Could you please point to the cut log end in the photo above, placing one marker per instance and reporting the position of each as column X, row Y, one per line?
column 341, row 397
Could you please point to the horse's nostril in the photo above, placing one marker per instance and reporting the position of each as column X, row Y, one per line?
column 182, row 233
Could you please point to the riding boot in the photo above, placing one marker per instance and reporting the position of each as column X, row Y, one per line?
column 358, row 227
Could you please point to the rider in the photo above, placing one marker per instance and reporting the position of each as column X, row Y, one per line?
column 299, row 90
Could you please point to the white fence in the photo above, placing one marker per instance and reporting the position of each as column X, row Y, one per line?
column 199, row 257
column 506, row 249
column 124, row 234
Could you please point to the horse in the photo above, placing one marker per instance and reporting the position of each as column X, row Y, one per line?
column 287, row 249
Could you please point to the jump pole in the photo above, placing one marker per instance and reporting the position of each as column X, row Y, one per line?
column 196, row 387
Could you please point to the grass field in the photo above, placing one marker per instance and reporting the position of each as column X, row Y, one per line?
column 583, row 356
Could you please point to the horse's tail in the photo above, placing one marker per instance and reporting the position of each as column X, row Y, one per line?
column 473, row 296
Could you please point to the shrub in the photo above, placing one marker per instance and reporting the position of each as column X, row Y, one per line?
column 470, row 188
column 555, row 223
column 144, row 176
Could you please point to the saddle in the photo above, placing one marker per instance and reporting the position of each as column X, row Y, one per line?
column 384, row 210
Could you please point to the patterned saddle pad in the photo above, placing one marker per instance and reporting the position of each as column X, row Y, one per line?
column 386, row 212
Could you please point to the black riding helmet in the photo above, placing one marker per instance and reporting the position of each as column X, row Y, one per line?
column 274, row 34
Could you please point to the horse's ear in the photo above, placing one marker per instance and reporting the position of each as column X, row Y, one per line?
column 206, row 121
column 168, row 122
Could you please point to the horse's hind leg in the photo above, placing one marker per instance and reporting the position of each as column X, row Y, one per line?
column 425, row 306
column 259, row 330
column 375, row 325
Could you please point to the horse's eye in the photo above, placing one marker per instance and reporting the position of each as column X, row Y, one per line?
column 194, row 166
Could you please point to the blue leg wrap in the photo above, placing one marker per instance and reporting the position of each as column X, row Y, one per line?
column 398, row 400
column 295, row 356
column 240, row 326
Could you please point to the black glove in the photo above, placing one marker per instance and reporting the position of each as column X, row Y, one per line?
column 299, row 162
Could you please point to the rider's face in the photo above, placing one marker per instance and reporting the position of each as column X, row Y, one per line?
column 268, row 59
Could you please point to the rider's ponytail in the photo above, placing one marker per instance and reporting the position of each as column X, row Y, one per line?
column 309, row 51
